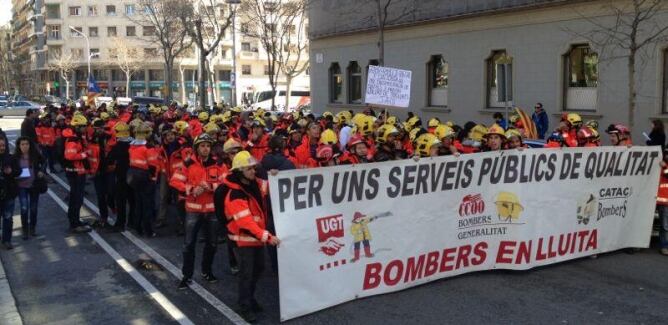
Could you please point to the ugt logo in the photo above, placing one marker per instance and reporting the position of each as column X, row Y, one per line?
column 329, row 229
column 471, row 205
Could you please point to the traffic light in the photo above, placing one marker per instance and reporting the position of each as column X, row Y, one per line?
column 56, row 84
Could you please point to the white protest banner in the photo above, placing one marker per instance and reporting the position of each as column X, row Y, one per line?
column 355, row 231
column 388, row 87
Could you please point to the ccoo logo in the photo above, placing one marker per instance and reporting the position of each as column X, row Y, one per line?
column 471, row 205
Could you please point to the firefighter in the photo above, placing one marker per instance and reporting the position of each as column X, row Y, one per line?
column 246, row 212
column 427, row 145
column 389, row 147
column 587, row 137
column 662, row 205
column 141, row 179
column 514, row 140
column 167, row 147
column 449, row 145
column 200, row 178
column 98, row 160
column 569, row 126
column 361, row 234
column 306, row 152
column 358, row 152
column 75, row 169
column 620, row 135
column 119, row 156
column 46, row 137
column 176, row 160
column 258, row 140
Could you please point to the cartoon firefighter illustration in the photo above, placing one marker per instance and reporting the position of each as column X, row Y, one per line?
column 586, row 210
column 361, row 233
column 508, row 206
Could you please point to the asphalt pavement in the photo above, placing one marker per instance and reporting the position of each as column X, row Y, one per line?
column 121, row 278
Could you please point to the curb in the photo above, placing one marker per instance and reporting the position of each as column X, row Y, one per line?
column 8, row 313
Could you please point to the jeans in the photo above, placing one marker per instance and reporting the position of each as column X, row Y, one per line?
column 29, row 200
column 77, row 185
column 251, row 265
column 7, row 220
column 209, row 224
column 663, row 225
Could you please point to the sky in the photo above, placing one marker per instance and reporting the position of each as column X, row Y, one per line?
column 5, row 11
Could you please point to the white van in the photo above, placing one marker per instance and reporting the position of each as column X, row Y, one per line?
column 298, row 97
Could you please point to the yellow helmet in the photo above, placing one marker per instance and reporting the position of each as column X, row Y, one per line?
column 385, row 131
column 104, row 116
column 434, row 122
column 260, row 113
column 495, row 129
column 164, row 108
column 211, row 128
column 181, row 127
column 327, row 113
column 477, row 132
column 203, row 116
column 78, row 120
column 574, row 119
column 122, row 130
column 231, row 144
column 226, row 117
column 243, row 159
column 513, row 133
column 391, row 120
column 411, row 123
column 204, row 137
column 508, row 206
column 154, row 109
column 328, row 137
column 365, row 126
column 344, row 117
column 592, row 124
column 424, row 143
column 142, row 131
column 214, row 118
column 358, row 118
column 412, row 135
column 236, row 109
column 444, row 131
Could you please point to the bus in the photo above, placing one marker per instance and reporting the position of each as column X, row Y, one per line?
column 299, row 97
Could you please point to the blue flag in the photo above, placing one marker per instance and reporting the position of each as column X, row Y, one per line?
column 93, row 90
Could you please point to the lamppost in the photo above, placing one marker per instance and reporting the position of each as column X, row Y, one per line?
column 88, row 55
column 233, row 75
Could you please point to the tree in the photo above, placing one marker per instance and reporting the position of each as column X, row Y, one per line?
column 168, row 32
column 127, row 58
column 293, row 56
column 64, row 65
column 205, row 22
column 272, row 23
column 636, row 26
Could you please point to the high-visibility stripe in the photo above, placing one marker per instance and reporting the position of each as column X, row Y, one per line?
column 661, row 199
column 242, row 238
column 179, row 177
column 265, row 236
column 72, row 151
column 663, row 185
column 241, row 214
column 193, row 205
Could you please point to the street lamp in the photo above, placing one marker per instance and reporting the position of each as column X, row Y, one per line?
column 233, row 75
column 89, row 55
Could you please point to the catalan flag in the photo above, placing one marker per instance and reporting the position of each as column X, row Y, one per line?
column 529, row 126
column 93, row 91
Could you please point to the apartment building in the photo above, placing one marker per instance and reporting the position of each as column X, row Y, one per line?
column 70, row 26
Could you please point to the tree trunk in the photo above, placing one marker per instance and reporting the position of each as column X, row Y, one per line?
column 288, row 86
column 169, row 64
column 183, row 84
column 127, row 84
column 67, row 89
column 632, row 88
column 201, row 75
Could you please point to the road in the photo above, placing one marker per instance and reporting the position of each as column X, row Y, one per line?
column 99, row 278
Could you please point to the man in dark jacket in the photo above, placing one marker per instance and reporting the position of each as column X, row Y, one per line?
column 541, row 120
column 28, row 125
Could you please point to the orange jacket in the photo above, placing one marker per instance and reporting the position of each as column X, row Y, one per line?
column 246, row 213
column 258, row 148
column 139, row 156
column 46, row 135
column 662, row 195
column 303, row 155
column 199, row 173
column 195, row 127
column 75, row 156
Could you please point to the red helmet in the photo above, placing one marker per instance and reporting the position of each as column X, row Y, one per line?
column 324, row 153
column 357, row 216
column 585, row 133
column 617, row 129
column 354, row 140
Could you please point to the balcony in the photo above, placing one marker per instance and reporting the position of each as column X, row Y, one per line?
column 54, row 41
column 249, row 55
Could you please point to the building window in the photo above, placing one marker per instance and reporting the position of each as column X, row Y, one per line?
column 92, row 10
column 75, row 11
column 100, row 74
column 53, row 31
column 354, row 83
column 117, row 75
column 335, row 84
column 246, row 69
column 438, row 81
column 581, row 78
column 130, row 31
column 111, row 31
column 94, row 53
column 244, row 29
column 77, row 53
column 224, row 75
column 665, row 80
column 148, row 30
column 92, row 32
column 246, row 47
column 494, row 66
column 113, row 53
column 52, row 11
column 156, row 75
column 138, row 75
column 129, row 10
column 76, row 31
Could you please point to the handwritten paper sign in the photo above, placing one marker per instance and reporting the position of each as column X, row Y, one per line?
column 388, row 87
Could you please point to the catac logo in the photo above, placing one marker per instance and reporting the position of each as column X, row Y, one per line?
column 471, row 205
column 329, row 229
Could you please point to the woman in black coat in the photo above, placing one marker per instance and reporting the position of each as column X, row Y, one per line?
column 658, row 136
column 8, row 192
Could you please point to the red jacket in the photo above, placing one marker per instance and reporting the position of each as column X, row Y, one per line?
column 75, row 155
column 46, row 135
column 258, row 148
column 246, row 213
column 199, row 173
column 662, row 195
column 303, row 155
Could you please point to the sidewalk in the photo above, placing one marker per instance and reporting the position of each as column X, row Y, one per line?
column 9, row 315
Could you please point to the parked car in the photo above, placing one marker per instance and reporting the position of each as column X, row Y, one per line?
column 19, row 108
column 53, row 100
column 146, row 101
column 3, row 103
